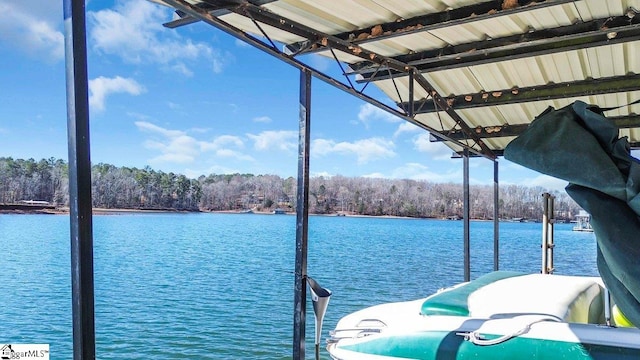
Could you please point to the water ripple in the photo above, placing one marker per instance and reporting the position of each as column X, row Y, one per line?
column 220, row 286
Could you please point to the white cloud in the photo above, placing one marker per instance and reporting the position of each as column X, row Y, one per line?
column 220, row 142
column 514, row 174
column 365, row 150
column 323, row 174
column 218, row 62
column 133, row 31
column 228, row 153
column 181, row 68
column 544, row 181
column 437, row 150
column 370, row 113
column 262, row 119
column 375, row 175
column 175, row 146
column 199, row 130
column 416, row 171
column 33, row 27
column 281, row 140
column 149, row 127
column 101, row 87
column 406, row 127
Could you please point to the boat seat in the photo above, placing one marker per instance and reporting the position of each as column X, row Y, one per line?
column 566, row 298
column 454, row 301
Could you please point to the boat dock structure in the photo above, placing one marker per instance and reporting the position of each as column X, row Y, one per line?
column 474, row 74
column 583, row 222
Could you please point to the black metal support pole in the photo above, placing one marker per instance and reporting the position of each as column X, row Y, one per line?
column 466, row 216
column 302, row 217
column 82, row 296
column 411, row 99
column 496, row 217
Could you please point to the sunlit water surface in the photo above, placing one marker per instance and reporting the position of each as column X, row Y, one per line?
column 220, row 286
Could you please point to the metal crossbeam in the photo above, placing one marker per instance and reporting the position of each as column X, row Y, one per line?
column 462, row 15
column 600, row 32
column 506, row 130
column 460, row 154
column 616, row 84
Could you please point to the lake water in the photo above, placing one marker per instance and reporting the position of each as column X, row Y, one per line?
column 220, row 286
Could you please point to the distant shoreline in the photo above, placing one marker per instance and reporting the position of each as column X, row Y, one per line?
column 53, row 210
column 20, row 209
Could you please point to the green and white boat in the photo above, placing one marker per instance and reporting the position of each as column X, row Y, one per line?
column 501, row 315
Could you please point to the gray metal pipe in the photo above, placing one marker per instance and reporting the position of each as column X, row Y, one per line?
column 466, row 216
column 302, row 218
column 496, row 218
column 80, row 211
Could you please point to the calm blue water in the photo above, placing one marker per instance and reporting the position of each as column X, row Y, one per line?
column 220, row 286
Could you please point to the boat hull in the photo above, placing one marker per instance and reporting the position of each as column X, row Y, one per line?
column 546, row 340
column 503, row 315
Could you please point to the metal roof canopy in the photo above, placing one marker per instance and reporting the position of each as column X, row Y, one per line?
column 474, row 73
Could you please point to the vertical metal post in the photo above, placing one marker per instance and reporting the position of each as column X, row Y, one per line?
column 607, row 307
column 466, row 215
column 302, row 217
column 551, row 245
column 411, row 101
column 496, row 217
column 545, row 233
column 82, row 296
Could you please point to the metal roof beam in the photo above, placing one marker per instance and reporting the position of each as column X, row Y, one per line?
column 616, row 84
column 535, row 43
column 465, row 14
column 500, row 152
column 506, row 130
column 460, row 154
column 267, row 17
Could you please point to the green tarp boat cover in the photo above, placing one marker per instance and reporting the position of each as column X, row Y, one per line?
column 578, row 144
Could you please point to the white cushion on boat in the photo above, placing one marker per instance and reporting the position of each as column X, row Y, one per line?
column 567, row 298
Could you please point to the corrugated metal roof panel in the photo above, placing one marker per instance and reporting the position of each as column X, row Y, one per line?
column 410, row 8
column 311, row 15
column 459, row 81
column 360, row 13
column 594, row 9
column 410, row 43
column 439, row 121
column 247, row 25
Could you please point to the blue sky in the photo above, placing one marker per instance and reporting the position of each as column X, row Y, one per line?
column 195, row 101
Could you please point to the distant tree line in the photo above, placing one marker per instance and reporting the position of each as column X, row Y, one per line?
column 133, row 188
